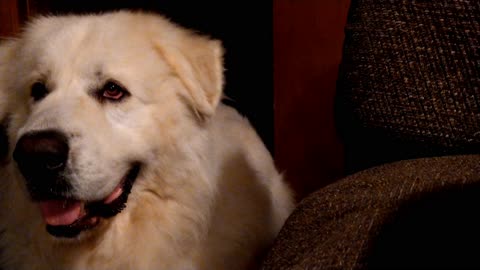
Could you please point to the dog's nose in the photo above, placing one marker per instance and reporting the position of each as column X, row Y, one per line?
column 41, row 157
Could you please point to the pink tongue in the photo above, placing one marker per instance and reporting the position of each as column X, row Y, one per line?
column 61, row 212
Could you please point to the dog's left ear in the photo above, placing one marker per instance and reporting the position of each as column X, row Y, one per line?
column 198, row 62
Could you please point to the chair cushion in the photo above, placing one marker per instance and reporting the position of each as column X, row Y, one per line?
column 415, row 213
column 409, row 83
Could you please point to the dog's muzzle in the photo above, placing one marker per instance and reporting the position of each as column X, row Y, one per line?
column 41, row 157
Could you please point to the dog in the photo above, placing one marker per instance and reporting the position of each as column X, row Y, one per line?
column 120, row 155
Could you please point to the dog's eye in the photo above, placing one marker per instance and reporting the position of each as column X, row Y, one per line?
column 113, row 91
column 38, row 91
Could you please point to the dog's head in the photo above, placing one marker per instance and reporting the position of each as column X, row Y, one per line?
column 103, row 96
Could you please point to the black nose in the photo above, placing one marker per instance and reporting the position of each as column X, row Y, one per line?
column 41, row 157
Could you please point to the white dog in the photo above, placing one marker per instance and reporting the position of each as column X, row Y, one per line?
column 120, row 155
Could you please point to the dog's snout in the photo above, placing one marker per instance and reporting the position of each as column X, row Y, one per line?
column 41, row 157
column 44, row 151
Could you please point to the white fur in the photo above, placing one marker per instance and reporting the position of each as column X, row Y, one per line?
column 208, row 195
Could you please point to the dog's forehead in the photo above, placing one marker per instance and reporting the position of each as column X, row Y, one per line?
column 60, row 44
column 74, row 53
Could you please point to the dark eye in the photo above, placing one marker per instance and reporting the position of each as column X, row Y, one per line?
column 38, row 91
column 113, row 91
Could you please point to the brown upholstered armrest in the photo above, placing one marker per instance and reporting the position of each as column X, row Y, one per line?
column 416, row 213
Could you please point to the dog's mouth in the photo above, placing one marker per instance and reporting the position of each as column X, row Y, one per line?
column 68, row 217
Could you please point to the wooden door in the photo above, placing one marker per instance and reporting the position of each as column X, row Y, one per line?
column 9, row 18
column 308, row 38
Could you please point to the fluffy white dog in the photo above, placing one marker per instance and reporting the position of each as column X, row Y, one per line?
column 121, row 156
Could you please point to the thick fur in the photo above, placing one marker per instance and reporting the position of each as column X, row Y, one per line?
column 208, row 195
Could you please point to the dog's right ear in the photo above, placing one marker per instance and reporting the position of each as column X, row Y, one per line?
column 6, row 56
column 4, row 141
column 198, row 62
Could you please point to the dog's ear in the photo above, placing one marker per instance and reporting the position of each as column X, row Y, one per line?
column 6, row 56
column 198, row 62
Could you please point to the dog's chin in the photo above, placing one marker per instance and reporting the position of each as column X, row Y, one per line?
column 70, row 218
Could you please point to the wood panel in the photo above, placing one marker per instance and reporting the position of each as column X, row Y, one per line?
column 13, row 14
column 308, row 38
column 9, row 18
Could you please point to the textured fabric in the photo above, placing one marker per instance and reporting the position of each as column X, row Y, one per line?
column 409, row 84
column 346, row 225
column 409, row 87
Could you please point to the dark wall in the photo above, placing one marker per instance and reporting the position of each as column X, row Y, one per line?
column 245, row 28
